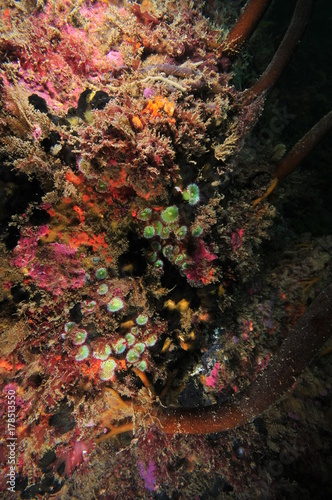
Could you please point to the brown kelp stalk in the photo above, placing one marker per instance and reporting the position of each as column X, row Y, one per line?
column 245, row 25
column 304, row 146
column 299, row 21
column 298, row 152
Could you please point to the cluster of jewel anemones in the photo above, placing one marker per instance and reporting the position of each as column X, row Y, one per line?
column 129, row 348
column 167, row 234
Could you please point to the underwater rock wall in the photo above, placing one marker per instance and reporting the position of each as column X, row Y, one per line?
column 134, row 264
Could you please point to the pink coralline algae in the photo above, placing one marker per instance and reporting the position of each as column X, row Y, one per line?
column 115, row 58
column 56, row 282
column 148, row 474
column 237, row 237
column 211, row 380
column 200, row 271
column 54, row 270
column 148, row 92
column 51, row 71
column 26, row 248
column 74, row 457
